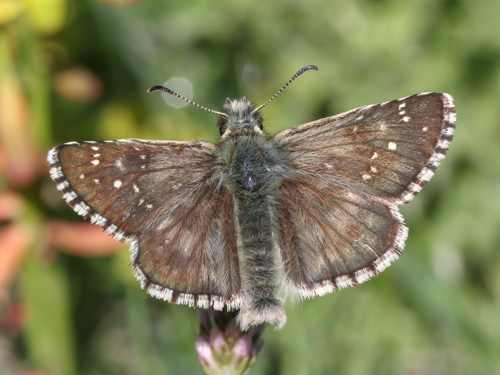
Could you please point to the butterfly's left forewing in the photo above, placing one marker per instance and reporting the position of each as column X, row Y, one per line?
column 159, row 196
column 387, row 151
column 339, row 223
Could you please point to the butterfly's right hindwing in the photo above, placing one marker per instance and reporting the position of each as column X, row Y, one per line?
column 159, row 196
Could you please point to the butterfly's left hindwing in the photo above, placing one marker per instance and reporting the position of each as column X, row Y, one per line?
column 339, row 224
column 335, row 238
column 160, row 197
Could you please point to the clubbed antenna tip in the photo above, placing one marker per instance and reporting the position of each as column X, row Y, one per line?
column 299, row 72
column 172, row 92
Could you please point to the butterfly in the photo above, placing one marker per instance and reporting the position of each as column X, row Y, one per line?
column 251, row 220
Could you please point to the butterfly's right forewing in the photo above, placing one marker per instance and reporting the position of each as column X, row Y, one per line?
column 161, row 197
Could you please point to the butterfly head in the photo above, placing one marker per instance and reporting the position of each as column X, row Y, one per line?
column 240, row 116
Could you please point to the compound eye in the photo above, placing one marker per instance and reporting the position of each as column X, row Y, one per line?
column 222, row 124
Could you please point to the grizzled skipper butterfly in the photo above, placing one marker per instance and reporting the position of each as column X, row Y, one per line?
column 242, row 223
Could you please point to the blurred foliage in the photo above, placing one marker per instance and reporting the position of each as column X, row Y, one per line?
column 79, row 70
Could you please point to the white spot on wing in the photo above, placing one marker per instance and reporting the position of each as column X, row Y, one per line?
column 406, row 118
column 425, row 128
column 392, row 146
column 402, row 105
column 203, row 302
column 136, row 189
column 95, row 148
column 82, row 176
column 343, row 281
column 95, row 162
column 112, row 229
column 55, row 173
column 217, row 303
column 81, row 209
column 451, row 117
column 119, row 236
column 98, row 220
column 324, row 288
column 426, row 174
column 63, row 185
column 448, row 131
column 363, row 275
column 374, row 156
column 117, row 184
column 366, row 176
column 443, row 143
column 52, row 156
column 415, row 188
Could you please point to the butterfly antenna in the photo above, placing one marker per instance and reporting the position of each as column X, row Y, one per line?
column 300, row 72
column 167, row 90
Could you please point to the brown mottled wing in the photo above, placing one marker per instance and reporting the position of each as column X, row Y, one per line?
column 331, row 238
column 160, row 197
column 339, row 223
column 387, row 151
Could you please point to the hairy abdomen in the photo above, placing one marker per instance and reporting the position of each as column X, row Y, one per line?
column 259, row 260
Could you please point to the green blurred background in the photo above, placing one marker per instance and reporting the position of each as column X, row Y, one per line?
column 79, row 70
